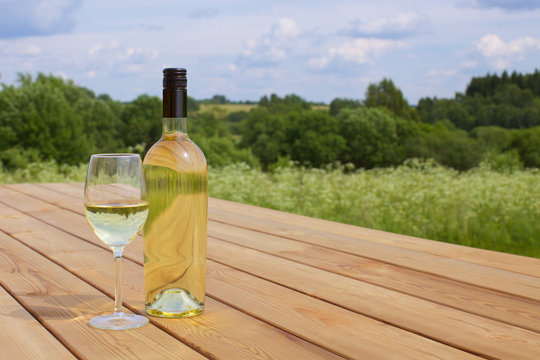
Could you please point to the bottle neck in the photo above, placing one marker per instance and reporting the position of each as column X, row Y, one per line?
column 174, row 103
column 173, row 126
column 174, row 111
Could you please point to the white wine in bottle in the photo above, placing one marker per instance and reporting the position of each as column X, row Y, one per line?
column 175, row 231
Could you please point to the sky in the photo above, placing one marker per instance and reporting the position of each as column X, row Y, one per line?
column 245, row 49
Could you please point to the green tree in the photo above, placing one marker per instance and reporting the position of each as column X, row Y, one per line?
column 286, row 104
column 371, row 137
column 527, row 143
column 209, row 123
column 192, row 105
column 386, row 94
column 339, row 104
column 313, row 137
column 142, row 121
column 449, row 147
column 266, row 134
column 37, row 116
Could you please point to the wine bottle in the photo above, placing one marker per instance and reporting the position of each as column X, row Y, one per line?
column 175, row 231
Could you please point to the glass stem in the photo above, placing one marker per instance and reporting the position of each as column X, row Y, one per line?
column 118, row 311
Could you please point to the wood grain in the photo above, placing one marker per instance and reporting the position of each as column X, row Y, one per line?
column 478, row 275
column 35, row 343
column 514, row 263
column 453, row 327
column 64, row 304
column 221, row 331
column 345, row 342
column 480, row 301
column 481, row 335
column 477, row 300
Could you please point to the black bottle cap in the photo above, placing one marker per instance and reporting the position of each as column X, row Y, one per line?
column 174, row 78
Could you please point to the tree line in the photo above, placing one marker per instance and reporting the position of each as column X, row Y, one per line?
column 496, row 121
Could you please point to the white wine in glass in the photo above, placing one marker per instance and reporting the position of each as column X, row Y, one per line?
column 113, row 198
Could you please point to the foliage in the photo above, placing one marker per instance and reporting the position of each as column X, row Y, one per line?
column 39, row 116
column 221, row 151
column 313, row 137
column 386, row 94
column 512, row 102
column 339, row 104
column 48, row 171
column 370, row 135
column 142, row 121
column 483, row 208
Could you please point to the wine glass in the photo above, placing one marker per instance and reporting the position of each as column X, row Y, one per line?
column 113, row 198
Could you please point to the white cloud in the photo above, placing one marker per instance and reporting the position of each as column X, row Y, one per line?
column 402, row 25
column 37, row 17
column 439, row 73
column 272, row 47
column 469, row 64
column 285, row 28
column 32, row 49
column 501, row 54
column 359, row 51
column 511, row 5
column 203, row 13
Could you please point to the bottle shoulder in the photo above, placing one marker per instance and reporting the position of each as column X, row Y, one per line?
column 179, row 153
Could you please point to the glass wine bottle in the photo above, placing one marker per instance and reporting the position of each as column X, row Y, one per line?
column 175, row 231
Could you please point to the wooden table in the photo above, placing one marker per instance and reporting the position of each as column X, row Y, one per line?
column 279, row 286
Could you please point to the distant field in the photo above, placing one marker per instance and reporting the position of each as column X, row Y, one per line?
column 246, row 107
column 228, row 107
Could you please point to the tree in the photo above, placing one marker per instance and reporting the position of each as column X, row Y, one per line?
column 142, row 121
column 371, row 137
column 313, row 137
column 339, row 104
column 527, row 143
column 37, row 115
column 386, row 94
column 283, row 105
column 265, row 133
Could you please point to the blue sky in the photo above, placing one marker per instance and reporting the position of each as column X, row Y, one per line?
column 244, row 49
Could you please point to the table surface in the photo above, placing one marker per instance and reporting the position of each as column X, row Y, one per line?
column 279, row 286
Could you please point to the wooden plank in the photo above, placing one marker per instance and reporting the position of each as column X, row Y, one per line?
column 491, row 304
column 478, row 275
column 451, row 269
column 347, row 342
column 220, row 332
column 515, row 263
column 479, row 301
column 455, row 328
column 23, row 337
column 381, row 303
column 64, row 303
column 357, row 335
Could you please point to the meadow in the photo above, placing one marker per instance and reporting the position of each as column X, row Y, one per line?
column 497, row 210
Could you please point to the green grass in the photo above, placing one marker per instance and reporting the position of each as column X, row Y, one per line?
column 229, row 108
column 48, row 171
column 481, row 208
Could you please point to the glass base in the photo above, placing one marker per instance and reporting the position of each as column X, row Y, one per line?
column 175, row 303
column 120, row 321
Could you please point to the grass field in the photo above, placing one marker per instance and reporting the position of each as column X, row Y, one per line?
column 246, row 107
column 229, row 108
column 480, row 208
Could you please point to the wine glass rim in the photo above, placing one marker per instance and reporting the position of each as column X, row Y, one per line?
column 116, row 155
